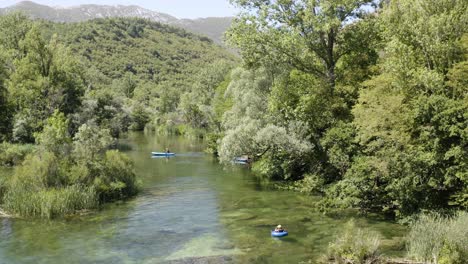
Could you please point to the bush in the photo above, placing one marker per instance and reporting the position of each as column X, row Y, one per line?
column 212, row 142
column 437, row 239
column 355, row 245
column 41, row 188
column 117, row 179
column 13, row 154
column 53, row 183
column 311, row 183
column 3, row 187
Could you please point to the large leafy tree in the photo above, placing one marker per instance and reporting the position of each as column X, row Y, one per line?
column 311, row 36
column 5, row 113
column 411, row 119
column 46, row 78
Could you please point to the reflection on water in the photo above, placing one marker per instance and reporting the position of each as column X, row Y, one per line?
column 190, row 208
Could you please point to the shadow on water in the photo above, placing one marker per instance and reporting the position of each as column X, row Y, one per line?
column 123, row 146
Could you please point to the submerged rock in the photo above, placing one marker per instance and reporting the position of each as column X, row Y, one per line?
column 202, row 260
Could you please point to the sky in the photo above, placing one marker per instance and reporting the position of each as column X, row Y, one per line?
column 177, row 8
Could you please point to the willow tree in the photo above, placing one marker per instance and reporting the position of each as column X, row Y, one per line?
column 309, row 35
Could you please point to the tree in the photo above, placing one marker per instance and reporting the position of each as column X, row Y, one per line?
column 47, row 78
column 15, row 26
column 6, row 113
column 411, row 119
column 54, row 137
column 311, row 36
column 89, row 142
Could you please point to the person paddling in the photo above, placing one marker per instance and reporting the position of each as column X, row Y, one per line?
column 279, row 229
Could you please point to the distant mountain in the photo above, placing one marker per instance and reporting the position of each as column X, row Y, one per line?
column 213, row 27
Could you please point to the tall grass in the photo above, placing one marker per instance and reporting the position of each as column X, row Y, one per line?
column 46, row 186
column 50, row 203
column 354, row 245
column 439, row 239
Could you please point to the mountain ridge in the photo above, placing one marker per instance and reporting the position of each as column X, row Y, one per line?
column 212, row 27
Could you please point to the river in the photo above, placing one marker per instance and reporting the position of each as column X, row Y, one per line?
column 190, row 210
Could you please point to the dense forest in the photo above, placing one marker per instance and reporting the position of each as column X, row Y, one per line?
column 362, row 102
column 368, row 108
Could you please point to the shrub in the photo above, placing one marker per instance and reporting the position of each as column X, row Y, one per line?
column 2, row 187
column 40, row 188
column 13, row 154
column 354, row 245
column 53, row 182
column 117, row 179
column 311, row 183
column 437, row 239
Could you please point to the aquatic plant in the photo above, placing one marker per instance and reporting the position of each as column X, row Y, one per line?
column 354, row 245
column 439, row 239
column 52, row 202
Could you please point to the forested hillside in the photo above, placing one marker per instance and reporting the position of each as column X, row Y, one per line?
column 212, row 27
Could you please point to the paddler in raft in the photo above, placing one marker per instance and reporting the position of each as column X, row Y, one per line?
column 279, row 229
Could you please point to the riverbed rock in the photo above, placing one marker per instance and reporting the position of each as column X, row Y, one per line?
column 201, row 260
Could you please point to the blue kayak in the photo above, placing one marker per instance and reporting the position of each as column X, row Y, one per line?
column 279, row 234
column 162, row 154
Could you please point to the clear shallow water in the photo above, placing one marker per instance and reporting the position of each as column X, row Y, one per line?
column 190, row 207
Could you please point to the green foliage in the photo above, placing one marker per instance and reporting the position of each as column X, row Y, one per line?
column 50, row 203
column 134, row 71
column 47, row 77
column 117, row 179
column 310, row 184
column 408, row 148
column 89, row 142
column 437, row 239
column 55, row 137
column 71, row 87
column 426, row 32
column 151, row 63
column 14, row 154
column 380, row 101
column 339, row 142
column 15, row 26
column 251, row 130
column 204, row 105
column 66, row 176
column 354, row 245
column 310, row 36
column 5, row 105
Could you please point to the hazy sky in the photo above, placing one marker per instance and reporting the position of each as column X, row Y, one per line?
column 177, row 8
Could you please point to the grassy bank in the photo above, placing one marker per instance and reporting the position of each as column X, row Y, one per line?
column 433, row 238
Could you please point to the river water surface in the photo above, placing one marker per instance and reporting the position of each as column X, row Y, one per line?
column 190, row 210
